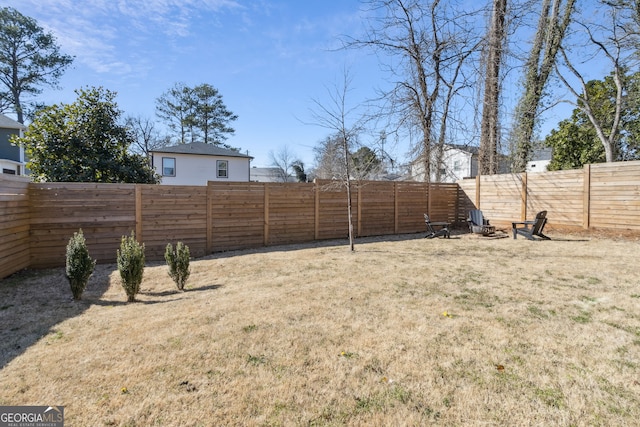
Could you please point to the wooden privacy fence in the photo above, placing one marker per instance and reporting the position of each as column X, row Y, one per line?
column 599, row 196
column 39, row 218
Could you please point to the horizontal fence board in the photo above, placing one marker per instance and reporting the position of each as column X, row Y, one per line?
column 39, row 218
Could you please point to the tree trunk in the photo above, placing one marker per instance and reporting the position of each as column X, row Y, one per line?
column 488, row 152
column 542, row 60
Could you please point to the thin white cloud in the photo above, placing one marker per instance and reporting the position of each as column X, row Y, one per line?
column 99, row 32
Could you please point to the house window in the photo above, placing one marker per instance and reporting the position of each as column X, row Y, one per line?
column 456, row 165
column 222, row 167
column 168, row 166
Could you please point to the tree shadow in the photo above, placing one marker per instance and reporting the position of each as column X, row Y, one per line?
column 34, row 301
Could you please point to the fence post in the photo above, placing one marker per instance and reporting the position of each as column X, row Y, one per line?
column 138, row 196
column 316, row 189
column 523, row 197
column 359, row 214
column 395, row 208
column 586, row 198
column 266, row 214
column 478, row 191
column 209, row 218
column 457, row 214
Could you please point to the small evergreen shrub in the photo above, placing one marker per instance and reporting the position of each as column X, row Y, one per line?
column 79, row 266
column 178, row 263
column 130, row 259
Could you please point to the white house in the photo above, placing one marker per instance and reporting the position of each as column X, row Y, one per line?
column 12, row 160
column 540, row 161
column 269, row 174
column 458, row 162
column 197, row 163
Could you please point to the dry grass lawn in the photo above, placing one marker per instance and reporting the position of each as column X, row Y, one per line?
column 404, row 331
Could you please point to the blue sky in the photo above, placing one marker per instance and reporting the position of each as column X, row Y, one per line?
column 268, row 59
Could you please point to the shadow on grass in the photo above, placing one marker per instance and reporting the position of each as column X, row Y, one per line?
column 317, row 244
column 33, row 302
column 177, row 292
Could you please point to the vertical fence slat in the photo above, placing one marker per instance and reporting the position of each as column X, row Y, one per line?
column 586, row 197
column 39, row 218
column 138, row 207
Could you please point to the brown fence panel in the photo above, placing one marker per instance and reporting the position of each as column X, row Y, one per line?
column 466, row 198
column 376, row 215
column 501, row 197
column 170, row 214
column 412, row 202
column 615, row 196
column 14, row 224
column 559, row 193
column 332, row 221
column 291, row 213
column 443, row 202
column 237, row 215
column 104, row 212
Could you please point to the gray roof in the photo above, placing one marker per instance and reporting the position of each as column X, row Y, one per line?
column 7, row 123
column 201, row 148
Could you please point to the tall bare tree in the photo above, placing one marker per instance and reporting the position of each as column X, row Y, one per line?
column 489, row 127
column 427, row 44
column 614, row 40
column 552, row 26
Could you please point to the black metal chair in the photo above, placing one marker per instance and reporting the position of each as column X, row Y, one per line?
column 478, row 224
column 436, row 229
column 532, row 230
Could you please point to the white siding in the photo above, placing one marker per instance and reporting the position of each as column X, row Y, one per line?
column 198, row 169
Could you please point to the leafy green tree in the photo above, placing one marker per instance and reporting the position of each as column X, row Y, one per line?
column 197, row 114
column 365, row 161
column 83, row 142
column 298, row 168
column 79, row 265
column 212, row 117
column 178, row 263
column 576, row 142
column 130, row 258
column 29, row 58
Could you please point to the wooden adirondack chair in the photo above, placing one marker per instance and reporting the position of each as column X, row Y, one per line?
column 532, row 230
column 436, row 229
column 478, row 224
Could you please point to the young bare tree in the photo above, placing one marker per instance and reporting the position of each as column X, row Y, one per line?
column 146, row 136
column 283, row 161
column 553, row 23
column 614, row 41
column 338, row 117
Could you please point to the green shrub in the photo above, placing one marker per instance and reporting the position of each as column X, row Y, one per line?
column 131, row 265
column 79, row 266
column 178, row 263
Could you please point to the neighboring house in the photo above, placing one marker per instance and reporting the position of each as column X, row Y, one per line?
column 270, row 174
column 12, row 160
column 197, row 163
column 540, row 161
column 458, row 162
